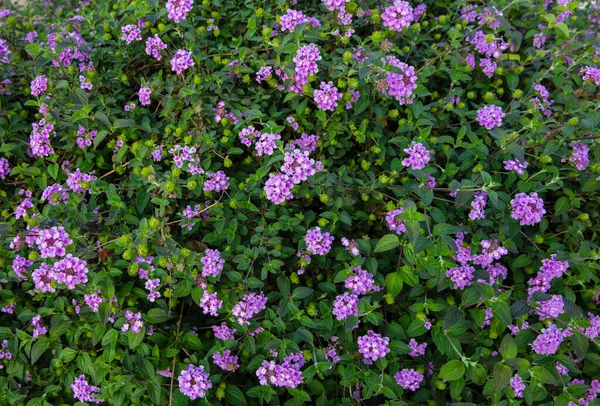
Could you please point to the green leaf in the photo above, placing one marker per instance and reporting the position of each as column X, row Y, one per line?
column 39, row 348
column 84, row 362
column 234, row 396
column 393, row 283
column 146, row 368
column 192, row 342
column 508, row 347
column 581, row 345
column 67, row 355
column 452, row 370
column 453, row 316
column 157, row 316
column 502, row 374
column 387, row 242
column 562, row 205
column 123, row 123
column 301, row 292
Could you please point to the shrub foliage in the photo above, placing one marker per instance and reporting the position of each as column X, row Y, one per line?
column 299, row 202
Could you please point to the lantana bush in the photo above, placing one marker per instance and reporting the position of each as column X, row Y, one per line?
column 287, row 202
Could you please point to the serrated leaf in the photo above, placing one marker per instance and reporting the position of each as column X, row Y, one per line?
column 387, row 242
column 39, row 348
column 502, row 374
column 452, row 370
column 508, row 347
column 234, row 396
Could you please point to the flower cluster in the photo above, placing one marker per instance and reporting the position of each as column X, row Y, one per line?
column 52, row 242
column 181, row 61
column 418, row 156
column 133, row 322
column 394, row 222
column 327, row 97
column 478, row 206
column 517, row 385
column 287, row 374
column 372, row 346
column 217, row 182
column 131, row 33
column 490, row 116
column 399, row 85
column 144, row 95
column 178, row 9
column 154, row 45
column 409, row 379
column 292, row 18
column 516, row 165
column 528, row 208
column 39, row 85
column 194, row 382
column 225, row 361
column 306, row 63
column 549, row 340
column 399, row 16
column 212, row 263
column 550, row 269
column 39, row 141
column 84, row 392
column 210, row 304
column 345, row 305
column 318, row 243
column 248, row 307
column 580, row 156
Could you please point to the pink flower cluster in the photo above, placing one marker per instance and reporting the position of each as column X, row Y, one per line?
column 327, row 97
column 490, row 116
column 217, row 182
column 394, row 222
column 131, row 33
column 212, row 263
column 154, row 45
column 318, row 243
column 292, row 18
column 38, row 85
column 39, row 141
column 248, row 307
column 287, row 374
column 372, row 346
column 178, row 9
column 306, row 64
column 52, row 242
column 84, row 392
column 418, row 156
column 181, row 61
column 528, row 208
column 210, row 303
column 225, row 360
column 194, row 382
column 399, row 16
column 399, row 85
column 409, row 379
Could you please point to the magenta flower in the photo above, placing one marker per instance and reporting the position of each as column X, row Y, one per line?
column 490, row 116
column 194, row 382
column 418, row 156
column 528, row 208
column 399, row 16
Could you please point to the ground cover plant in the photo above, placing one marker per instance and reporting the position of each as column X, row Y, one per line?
column 299, row 202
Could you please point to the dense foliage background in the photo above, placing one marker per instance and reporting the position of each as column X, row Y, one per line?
column 299, row 202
